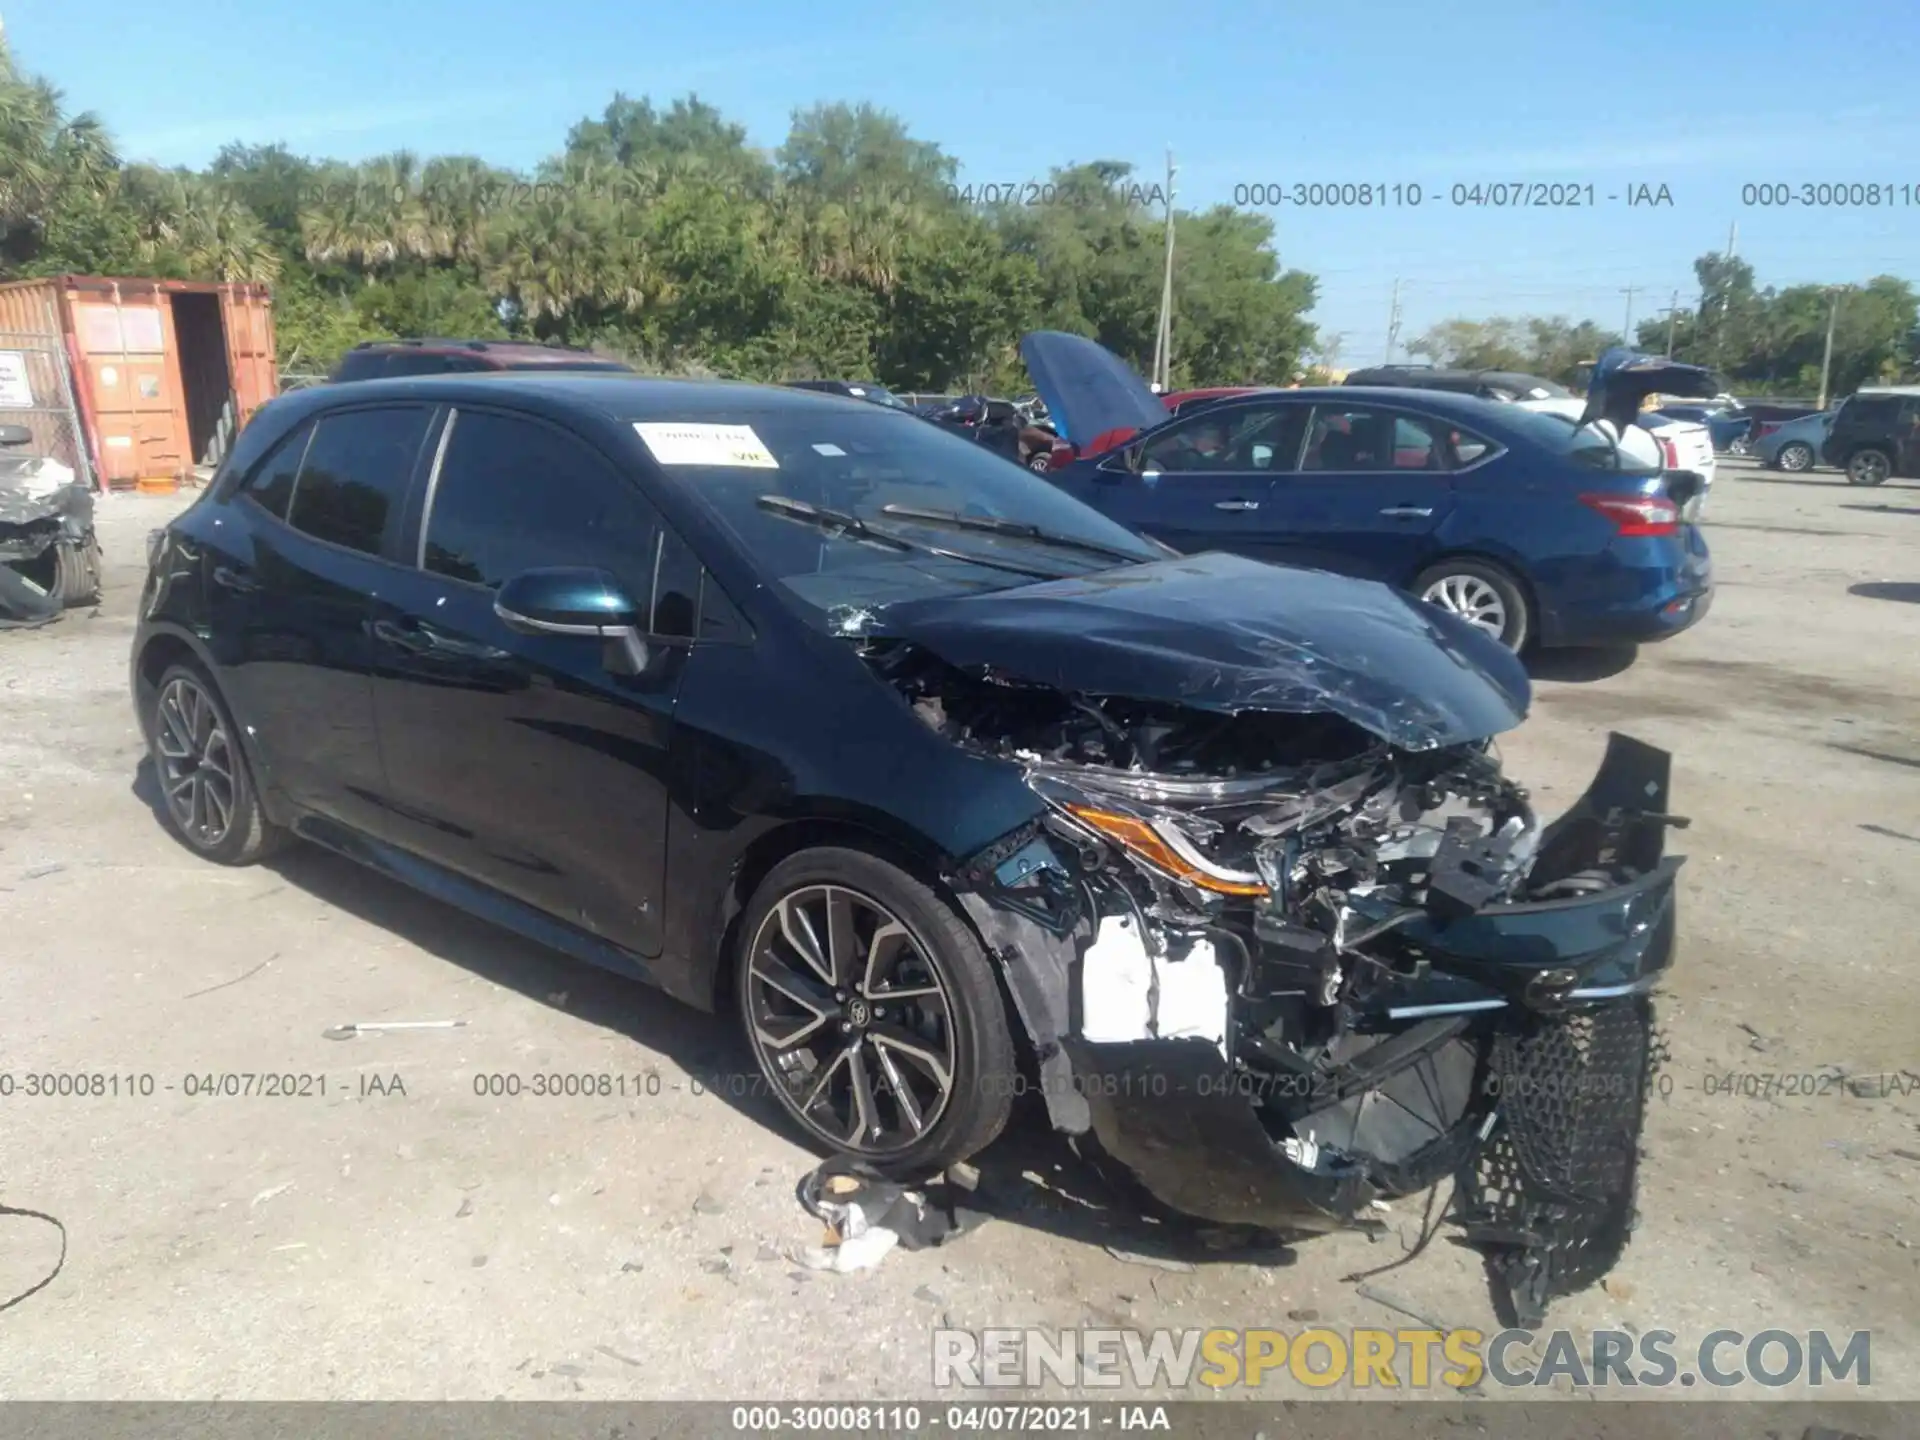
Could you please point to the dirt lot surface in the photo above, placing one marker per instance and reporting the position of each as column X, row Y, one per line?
column 403, row 1237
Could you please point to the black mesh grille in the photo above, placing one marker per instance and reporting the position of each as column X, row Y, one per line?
column 1550, row 1195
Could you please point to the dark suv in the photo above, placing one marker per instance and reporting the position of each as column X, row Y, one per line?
column 380, row 359
column 1876, row 435
column 1487, row 384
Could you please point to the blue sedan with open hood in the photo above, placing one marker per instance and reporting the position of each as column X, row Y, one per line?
column 1537, row 528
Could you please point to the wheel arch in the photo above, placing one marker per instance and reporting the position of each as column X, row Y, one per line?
column 717, row 940
column 162, row 646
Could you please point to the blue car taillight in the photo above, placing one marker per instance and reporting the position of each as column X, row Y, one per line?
column 1637, row 514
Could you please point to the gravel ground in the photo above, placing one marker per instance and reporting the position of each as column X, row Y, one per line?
column 402, row 1237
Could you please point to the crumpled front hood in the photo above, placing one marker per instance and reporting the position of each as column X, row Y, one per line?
column 1222, row 632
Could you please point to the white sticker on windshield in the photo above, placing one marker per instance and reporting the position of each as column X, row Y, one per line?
column 728, row 445
column 827, row 448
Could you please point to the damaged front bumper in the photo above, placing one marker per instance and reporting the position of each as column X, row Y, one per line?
column 1251, row 1070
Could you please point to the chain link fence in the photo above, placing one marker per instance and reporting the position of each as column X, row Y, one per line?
column 36, row 391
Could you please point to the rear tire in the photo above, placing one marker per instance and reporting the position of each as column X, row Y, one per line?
column 1481, row 593
column 912, row 1005
column 1869, row 467
column 1795, row 456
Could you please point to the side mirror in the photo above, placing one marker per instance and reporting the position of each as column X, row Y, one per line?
column 573, row 600
column 15, row 435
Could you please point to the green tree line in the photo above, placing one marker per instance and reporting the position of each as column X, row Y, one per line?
column 663, row 237
column 1764, row 341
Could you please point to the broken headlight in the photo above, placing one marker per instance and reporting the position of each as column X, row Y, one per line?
column 1159, row 844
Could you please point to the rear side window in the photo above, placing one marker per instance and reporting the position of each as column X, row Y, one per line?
column 353, row 483
column 514, row 494
column 1371, row 440
column 1870, row 409
column 271, row 484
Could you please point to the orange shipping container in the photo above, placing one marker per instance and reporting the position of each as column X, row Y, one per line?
column 166, row 371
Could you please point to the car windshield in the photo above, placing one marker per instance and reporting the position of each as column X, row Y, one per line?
column 880, row 395
column 923, row 502
column 1592, row 446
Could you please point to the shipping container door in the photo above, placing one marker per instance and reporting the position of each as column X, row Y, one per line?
column 248, row 316
column 140, row 420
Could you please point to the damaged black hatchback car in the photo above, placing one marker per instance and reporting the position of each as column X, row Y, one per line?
column 954, row 787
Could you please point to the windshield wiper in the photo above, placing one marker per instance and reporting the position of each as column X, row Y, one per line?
column 995, row 525
column 848, row 523
column 829, row 519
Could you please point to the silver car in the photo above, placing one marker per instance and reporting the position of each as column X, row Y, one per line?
column 1795, row 446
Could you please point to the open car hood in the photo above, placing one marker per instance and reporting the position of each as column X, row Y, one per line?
column 1090, row 392
column 1225, row 633
column 1622, row 378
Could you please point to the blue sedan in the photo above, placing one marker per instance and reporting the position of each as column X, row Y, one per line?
column 1533, row 526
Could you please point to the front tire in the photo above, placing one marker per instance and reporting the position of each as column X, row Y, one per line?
column 207, row 795
column 1869, row 467
column 873, row 1013
column 1483, row 595
column 1794, row 456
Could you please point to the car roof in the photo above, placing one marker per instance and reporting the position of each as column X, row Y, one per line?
column 1468, row 409
column 520, row 351
column 599, row 394
column 1888, row 390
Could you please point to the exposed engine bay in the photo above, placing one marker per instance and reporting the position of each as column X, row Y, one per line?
column 1331, row 932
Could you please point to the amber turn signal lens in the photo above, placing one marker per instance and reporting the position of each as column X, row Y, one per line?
column 1141, row 839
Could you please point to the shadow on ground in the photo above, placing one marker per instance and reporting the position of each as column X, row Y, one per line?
column 1582, row 665
column 1905, row 591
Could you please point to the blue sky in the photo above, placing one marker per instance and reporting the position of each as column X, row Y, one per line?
column 1702, row 96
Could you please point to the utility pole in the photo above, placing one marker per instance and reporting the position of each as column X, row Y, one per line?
column 1673, row 321
column 1163, row 338
column 1626, row 327
column 1826, row 360
column 1393, row 321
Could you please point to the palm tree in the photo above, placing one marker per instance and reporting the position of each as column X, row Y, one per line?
column 371, row 215
column 44, row 153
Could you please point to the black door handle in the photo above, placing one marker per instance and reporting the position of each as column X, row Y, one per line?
column 228, row 578
column 417, row 638
column 400, row 637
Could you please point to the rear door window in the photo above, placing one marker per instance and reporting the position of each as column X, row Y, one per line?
column 270, row 486
column 1370, row 439
column 353, row 482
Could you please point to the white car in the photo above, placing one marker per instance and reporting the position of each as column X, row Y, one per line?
column 1653, row 440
